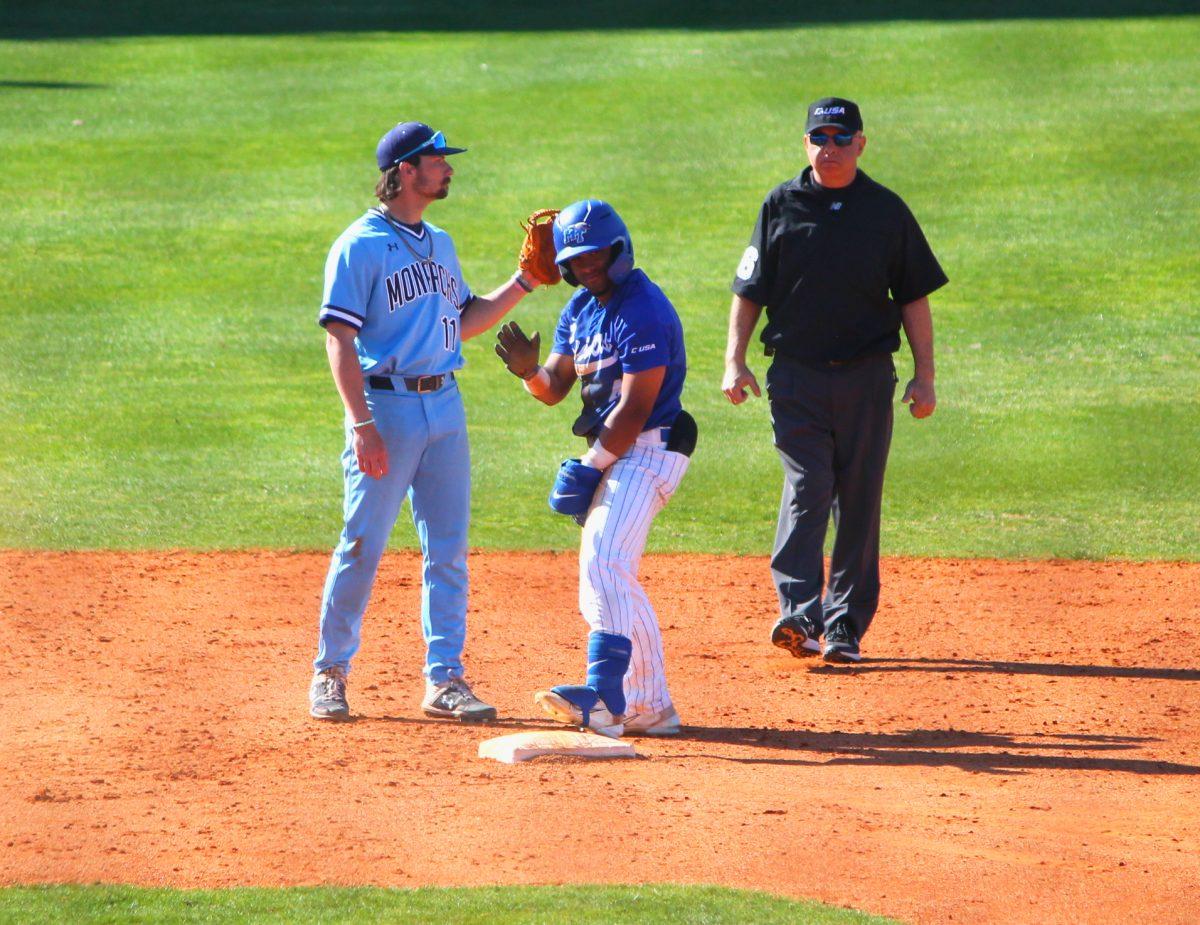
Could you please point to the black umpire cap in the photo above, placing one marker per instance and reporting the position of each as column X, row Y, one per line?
column 835, row 112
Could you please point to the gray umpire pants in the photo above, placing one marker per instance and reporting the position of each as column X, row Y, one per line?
column 833, row 429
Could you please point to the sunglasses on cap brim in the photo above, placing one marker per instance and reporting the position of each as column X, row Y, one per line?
column 436, row 141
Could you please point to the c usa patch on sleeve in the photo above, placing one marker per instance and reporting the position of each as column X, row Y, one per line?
column 749, row 260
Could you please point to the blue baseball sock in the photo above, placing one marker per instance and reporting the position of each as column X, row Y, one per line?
column 608, row 660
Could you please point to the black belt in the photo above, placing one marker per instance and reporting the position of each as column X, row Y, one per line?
column 412, row 383
column 826, row 364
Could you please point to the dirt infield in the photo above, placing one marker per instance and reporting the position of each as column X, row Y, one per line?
column 1021, row 744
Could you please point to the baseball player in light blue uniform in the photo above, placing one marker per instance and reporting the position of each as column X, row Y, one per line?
column 396, row 310
column 620, row 336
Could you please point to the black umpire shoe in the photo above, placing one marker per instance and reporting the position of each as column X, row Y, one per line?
column 841, row 645
column 798, row 636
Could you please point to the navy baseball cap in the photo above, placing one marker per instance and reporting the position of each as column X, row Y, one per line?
column 408, row 139
column 835, row 112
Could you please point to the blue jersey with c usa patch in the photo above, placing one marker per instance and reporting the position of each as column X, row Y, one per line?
column 402, row 289
column 637, row 330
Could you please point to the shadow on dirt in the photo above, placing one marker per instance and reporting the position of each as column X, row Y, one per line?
column 503, row 725
column 1050, row 669
column 942, row 748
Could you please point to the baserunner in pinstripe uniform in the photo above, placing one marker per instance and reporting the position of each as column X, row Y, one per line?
column 621, row 338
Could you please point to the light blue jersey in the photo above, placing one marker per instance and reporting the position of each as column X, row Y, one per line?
column 403, row 291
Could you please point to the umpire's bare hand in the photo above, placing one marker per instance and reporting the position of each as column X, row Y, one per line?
column 920, row 397
column 737, row 379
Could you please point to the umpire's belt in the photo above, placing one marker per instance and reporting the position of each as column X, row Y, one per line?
column 813, row 363
column 411, row 383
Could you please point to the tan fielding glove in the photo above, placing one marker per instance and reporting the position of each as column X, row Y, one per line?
column 537, row 252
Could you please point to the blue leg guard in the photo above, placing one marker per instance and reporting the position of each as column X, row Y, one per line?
column 608, row 660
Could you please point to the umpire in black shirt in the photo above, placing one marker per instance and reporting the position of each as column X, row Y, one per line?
column 841, row 265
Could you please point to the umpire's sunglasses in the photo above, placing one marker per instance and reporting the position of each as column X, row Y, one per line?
column 436, row 141
column 841, row 139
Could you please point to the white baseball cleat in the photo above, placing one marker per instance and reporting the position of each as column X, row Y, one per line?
column 599, row 720
column 664, row 722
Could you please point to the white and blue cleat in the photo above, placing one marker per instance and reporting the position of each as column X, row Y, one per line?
column 577, row 705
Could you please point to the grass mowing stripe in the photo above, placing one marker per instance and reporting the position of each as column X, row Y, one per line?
column 163, row 381
column 580, row 905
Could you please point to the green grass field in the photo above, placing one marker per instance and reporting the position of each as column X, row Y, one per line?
column 169, row 201
column 171, row 186
column 580, row 905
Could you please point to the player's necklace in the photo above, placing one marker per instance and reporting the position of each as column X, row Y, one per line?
column 404, row 234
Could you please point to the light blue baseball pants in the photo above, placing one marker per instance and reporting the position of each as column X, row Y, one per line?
column 429, row 462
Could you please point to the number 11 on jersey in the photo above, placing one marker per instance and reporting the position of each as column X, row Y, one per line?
column 450, row 330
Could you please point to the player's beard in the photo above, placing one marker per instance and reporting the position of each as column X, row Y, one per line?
column 433, row 189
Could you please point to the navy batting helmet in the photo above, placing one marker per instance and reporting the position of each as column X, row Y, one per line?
column 590, row 225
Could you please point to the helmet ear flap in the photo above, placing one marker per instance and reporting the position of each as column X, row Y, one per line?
column 565, row 269
column 620, row 264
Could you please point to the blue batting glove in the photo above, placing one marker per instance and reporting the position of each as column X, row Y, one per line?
column 574, row 488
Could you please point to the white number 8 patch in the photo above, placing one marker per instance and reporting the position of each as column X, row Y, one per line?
column 746, row 268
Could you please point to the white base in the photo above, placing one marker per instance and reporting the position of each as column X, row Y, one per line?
column 525, row 745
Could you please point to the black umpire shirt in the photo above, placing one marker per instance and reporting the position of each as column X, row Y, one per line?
column 833, row 268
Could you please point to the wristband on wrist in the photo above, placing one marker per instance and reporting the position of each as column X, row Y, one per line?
column 361, row 424
column 520, row 281
column 539, row 380
column 598, row 457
